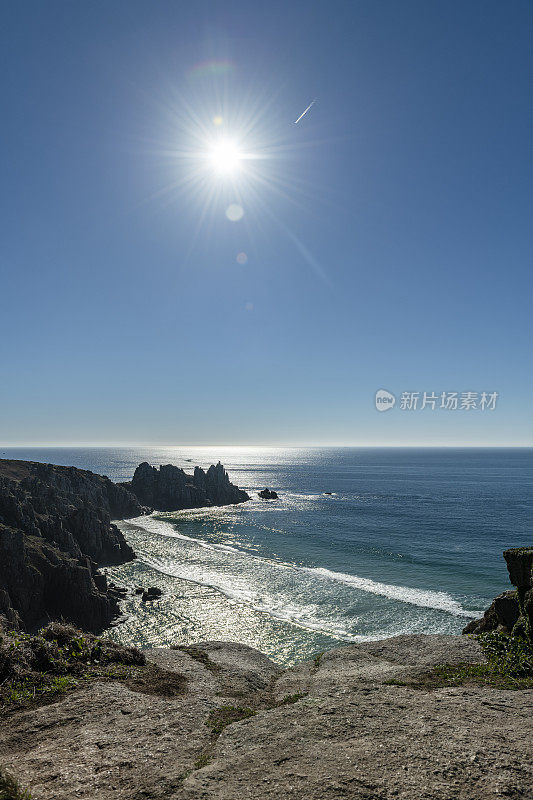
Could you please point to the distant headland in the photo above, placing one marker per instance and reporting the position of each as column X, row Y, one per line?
column 56, row 529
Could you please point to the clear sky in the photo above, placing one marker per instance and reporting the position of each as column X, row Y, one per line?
column 384, row 242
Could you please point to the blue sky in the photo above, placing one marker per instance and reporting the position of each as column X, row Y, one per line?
column 387, row 235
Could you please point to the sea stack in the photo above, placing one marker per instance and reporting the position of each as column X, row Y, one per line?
column 268, row 494
column 169, row 488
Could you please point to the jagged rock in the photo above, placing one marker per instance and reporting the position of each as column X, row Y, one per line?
column 268, row 494
column 511, row 611
column 501, row 615
column 519, row 562
column 55, row 527
column 169, row 488
column 520, row 565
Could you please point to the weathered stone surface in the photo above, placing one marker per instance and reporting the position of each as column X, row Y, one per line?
column 352, row 735
column 55, row 527
column 169, row 488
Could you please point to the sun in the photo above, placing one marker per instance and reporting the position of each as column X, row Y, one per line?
column 225, row 157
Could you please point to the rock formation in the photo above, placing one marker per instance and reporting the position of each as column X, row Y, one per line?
column 55, row 527
column 268, row 494
column 169, row 488
column 501, row 615
column 511, row 611
column 346, row 725
column 152, row 593
column 520, row 565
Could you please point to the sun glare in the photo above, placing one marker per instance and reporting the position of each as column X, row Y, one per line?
column 225, row 157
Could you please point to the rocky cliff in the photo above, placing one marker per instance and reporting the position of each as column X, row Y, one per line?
column 169, row 488
column 511, row 611
column 55, row 527
column 356, row 723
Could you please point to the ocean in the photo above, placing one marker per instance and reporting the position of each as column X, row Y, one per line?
column 363, row 543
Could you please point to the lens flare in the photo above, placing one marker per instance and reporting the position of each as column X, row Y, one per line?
column 234, row 212
column 225, row 157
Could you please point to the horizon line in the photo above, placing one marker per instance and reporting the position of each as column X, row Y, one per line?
column 361, row 445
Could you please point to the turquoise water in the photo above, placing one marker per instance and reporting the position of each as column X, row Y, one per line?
column 410, row 540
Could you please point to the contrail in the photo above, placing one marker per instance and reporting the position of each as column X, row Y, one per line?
column 305, row 112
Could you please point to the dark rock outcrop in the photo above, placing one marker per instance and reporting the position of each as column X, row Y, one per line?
column 501, row 615
column 55, row 528
column 169, row 488
column 511, row 611
column 152, row 593
column 520, row 565
column 268, row 494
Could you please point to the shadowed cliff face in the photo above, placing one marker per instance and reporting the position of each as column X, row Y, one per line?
column 511, row 611
column 55, row 527
column 169, row 488
column 520, row 565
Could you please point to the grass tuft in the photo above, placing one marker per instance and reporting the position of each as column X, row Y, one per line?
column 509, row 665
column 395, row 682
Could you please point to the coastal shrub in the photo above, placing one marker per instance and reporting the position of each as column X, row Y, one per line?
column 6, row 662
column 60, row 632
column 75, row 646
column 508, row 655
column 45, row 664
column 509, row 664
column 15, row 654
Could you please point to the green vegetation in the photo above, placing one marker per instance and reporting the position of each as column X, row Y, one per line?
column 218, row 719
column 509, row 664
column 26, row 689
column 10, row 788
column 41, row 666
column 200, row 762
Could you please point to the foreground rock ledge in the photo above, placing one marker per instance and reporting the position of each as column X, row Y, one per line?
column 352, row 734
